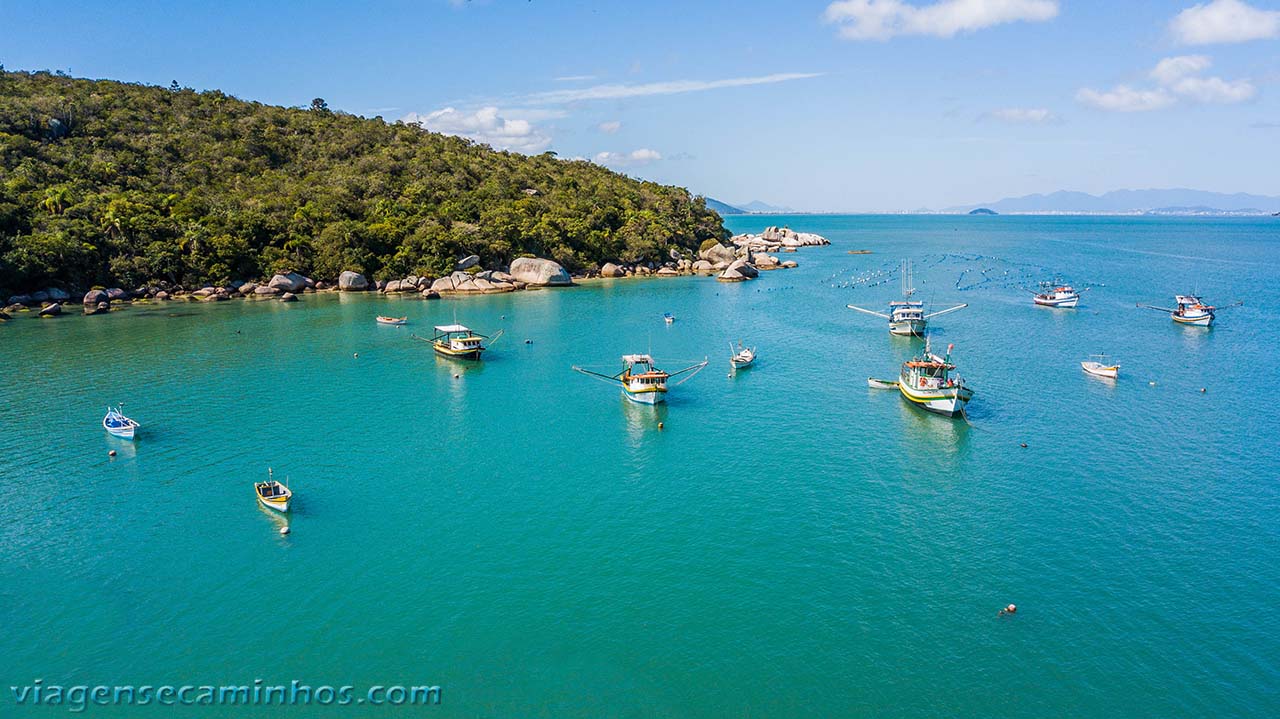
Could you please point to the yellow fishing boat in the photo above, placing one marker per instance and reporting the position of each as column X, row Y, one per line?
column 272, row 494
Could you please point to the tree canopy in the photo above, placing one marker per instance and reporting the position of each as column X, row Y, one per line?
column 110, row 183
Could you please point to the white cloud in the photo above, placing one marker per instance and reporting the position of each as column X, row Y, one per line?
column 574, row 78
column 883, row 19
column 672, row 87
column 643, row 156
column 1224, row 21
column 1173, row 69
column 1176, row 78
column 610, row 127
column 1024, row 115
column 1123, row 98
column 485, row 125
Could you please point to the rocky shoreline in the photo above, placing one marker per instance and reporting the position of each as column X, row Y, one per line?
column 745, row 257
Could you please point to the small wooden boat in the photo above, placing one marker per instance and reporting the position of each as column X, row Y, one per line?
column 668, row 317
column 119, row 425
column 874, row 383
column 272, row 494
column 384, row 320
column 641, row 381
column 459, row 342
column 743, row 357
column 1100, row 369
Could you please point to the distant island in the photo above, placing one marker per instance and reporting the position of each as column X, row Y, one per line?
column 1177, row 201
column 113, row 184
column 983, row 211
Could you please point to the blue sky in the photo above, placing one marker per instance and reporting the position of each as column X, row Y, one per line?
column 847, row 105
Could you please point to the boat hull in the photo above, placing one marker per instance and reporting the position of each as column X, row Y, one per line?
column 741, row 364
column 121, row 432
column 1099, row 370
column 281, row 507
column 907, row 328
column 473, row 354
column 650, row 397
column 949, row 402
column 396, row 323
column 1065, row 303
column 1195, row 321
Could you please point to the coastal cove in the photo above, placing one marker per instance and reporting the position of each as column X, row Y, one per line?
column 789, row 543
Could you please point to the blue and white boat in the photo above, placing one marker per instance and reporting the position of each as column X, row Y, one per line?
column 119, row 425
column 668, row 317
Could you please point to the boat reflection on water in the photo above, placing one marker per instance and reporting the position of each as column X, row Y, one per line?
column 642, row 420
column 931, row 435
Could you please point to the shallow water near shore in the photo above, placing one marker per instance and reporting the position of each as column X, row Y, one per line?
column 791, row 543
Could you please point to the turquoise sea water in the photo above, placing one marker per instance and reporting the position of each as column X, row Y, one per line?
column 792, row 543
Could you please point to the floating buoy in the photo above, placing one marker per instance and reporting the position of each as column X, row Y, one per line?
column 1203, row 390
column 111, row 453
column 1024, row 445
column 284, row 530
column 1012, row 608
column 528, row 342
column 456, row 376
column 356, row 355
column 660, row 425
column 1152, row 383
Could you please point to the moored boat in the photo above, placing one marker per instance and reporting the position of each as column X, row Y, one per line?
column 907, row 317
column 668, row 317
column 641, row 381
column 743, row 357
column 384, row 320
column 931, row 383
column 119, row 425
column 1191, row 310
column 273, row 495
column 1055, row 294
column 459, row 342
column 1100, row 369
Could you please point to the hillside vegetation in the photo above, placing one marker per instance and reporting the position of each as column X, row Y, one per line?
column 111, row 183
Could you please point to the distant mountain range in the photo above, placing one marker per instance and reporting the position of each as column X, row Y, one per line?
column 755, row 206
column 1176, row 201
column 724, row 208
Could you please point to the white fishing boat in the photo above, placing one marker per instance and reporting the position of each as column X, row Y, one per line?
column 742, row 357
column 397, row 321
column 273, row 495
column 641, row 381
column 907, row 317
column 1191, row 310
column 874, row 383
column 119, row 425
column 1056, row 294
column 931, row 383
column 1098, row 368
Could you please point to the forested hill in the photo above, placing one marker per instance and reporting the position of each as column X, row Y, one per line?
column 111, row 183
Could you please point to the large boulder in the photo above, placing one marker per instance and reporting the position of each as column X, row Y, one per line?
column 116, row 294
column 162, row 295
column 247, row 288
column 352, row 282
column 703, row 266
column 99, row 309
column 52, row 310
column 39, row 298
column 23, row 300
column 612, row 270
column 668, row 272
column 738, row 271
column 288, row 297
column 57, row 294
column 291, row 282
column 539, row 272
column 93, row 297
column 266, row 291
column 717, row 253
column 392, row 287
column 467, row 262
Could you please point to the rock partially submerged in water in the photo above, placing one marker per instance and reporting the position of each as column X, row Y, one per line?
column 738, row 271
column 93, row 297
column 288, row 297
column 774, row 239
column 266, row 291
column 538, row 272
column 612, row 270
column 100, row 308
column 290, row 282
column 51, row 310
column 350, row 281
column 718, row 253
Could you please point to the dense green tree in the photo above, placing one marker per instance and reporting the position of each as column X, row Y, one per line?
column 111, row 183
